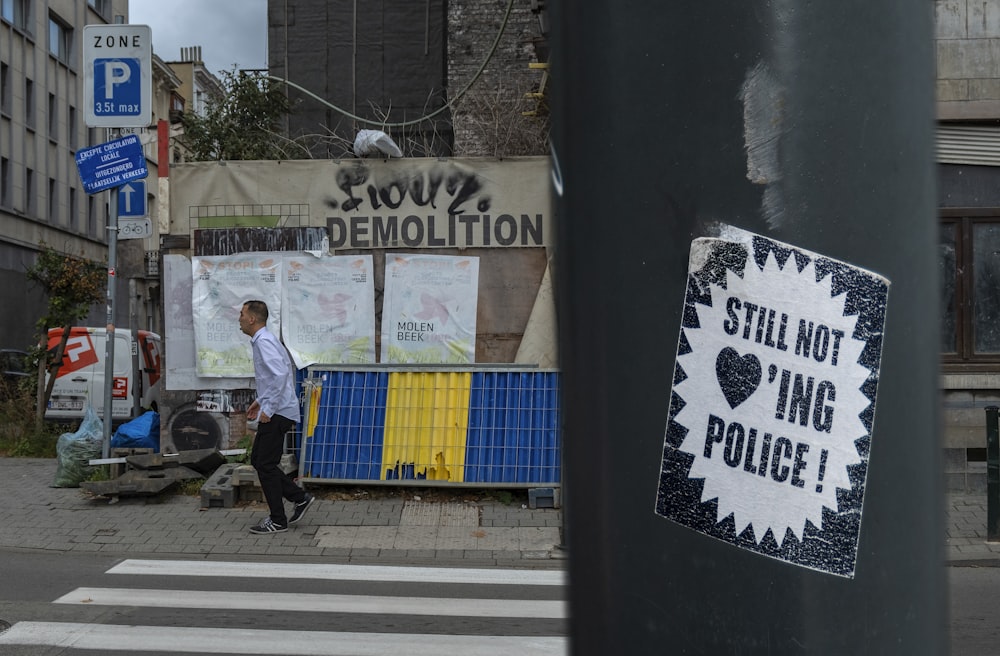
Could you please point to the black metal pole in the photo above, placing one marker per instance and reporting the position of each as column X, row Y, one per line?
column 807, row 123
column 992, row 475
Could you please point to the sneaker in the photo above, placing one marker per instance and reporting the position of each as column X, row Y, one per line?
column 266, row 526
column 301, row 508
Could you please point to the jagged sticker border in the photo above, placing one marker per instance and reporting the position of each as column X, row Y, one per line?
column 710, row 497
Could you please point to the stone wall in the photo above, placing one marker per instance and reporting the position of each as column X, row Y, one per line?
column 963, row 418
column 967, row 58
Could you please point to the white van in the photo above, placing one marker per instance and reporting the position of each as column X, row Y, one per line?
column 81, row 375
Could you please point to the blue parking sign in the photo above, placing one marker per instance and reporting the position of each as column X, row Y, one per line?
column 117, row 87
column 118, row 77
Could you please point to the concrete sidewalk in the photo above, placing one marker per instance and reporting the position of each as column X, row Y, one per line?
column 965, row 532
column 36, row 516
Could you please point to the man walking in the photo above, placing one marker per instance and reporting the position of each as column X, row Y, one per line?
column 276, row 410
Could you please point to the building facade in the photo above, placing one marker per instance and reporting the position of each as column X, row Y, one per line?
column 42, row 200
column 968, row 110
column 41, row 126
column 198, row 86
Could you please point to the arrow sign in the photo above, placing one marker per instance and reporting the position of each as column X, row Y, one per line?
column 132, row 199
column 111, row 164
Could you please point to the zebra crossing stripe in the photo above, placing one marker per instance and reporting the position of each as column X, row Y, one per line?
column 322, row 603
column 324, row 571
column 105, row 638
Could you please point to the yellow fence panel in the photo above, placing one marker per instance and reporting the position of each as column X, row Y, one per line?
column 427, row 420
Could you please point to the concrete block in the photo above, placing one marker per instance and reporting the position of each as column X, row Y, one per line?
column 247, row 483
column 250, row 493
column 544, row 497
column 288, row 464
column 245, row 475
column 118, row 468
column 218, row 490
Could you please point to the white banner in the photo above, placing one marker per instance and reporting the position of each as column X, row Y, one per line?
column 180, row 371
column 429, row 309
column 222, row 284
column 374, row 204
column 328, row 309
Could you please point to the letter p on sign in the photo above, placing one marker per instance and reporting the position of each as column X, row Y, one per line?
column 116, row 72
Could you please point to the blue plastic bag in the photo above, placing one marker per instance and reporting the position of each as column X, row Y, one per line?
column 143, row 432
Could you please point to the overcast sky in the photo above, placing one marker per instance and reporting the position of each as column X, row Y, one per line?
column 230, row 32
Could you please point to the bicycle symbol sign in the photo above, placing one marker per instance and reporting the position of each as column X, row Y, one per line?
column 135, row 228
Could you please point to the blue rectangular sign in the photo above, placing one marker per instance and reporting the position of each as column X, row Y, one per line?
column 117, row 87
column 111, row 164
column 132, row 200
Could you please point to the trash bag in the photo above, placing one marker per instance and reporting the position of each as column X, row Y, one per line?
column 375, row 142
column 143, row 432
column 74, row 451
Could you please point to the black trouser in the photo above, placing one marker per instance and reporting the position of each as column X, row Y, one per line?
column 265, row 457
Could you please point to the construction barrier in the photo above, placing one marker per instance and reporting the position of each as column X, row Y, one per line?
column 465, row 426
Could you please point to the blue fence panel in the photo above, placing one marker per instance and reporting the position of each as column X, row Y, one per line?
column 513, row 435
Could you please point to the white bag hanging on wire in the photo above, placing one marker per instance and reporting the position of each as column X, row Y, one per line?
column 375, row 142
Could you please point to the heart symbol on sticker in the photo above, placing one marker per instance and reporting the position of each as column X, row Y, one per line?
column 739, row 376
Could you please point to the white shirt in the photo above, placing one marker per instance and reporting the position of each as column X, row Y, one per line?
column 275, row 376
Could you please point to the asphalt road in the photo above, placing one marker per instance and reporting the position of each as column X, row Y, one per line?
column 974, row 609
column 31, row 583
column 164, row 607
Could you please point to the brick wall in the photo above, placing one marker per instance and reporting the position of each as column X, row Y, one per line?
column 472, row 28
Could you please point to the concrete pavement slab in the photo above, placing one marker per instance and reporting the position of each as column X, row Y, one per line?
column 37, row 516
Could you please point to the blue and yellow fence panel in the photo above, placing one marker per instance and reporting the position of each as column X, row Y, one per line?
column 465, row 426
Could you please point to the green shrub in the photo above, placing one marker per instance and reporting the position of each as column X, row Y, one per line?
column 20, row 433
column 246, row 442
column 100, row 473
column 191, row 487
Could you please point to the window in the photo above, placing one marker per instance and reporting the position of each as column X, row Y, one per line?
column 72, row 220
column 16, row 12
column 60, row 40
column 970, row 272
column 5, row 94
column 29, row 104
column 29, row 192
column 53, row 118
column 91, row 229
column 103, row 7
column 71, row 123
column 5, row 182
column 53, row 201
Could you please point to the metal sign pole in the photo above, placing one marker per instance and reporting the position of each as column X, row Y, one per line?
column 117, row 93
column 109, row 352
column 686, row 157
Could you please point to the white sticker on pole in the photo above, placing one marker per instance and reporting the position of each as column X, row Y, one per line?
column 773, row 400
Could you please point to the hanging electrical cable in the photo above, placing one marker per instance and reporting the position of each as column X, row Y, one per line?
column 403, row 124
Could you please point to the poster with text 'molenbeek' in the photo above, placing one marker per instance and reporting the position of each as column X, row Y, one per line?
column 429, row 309
column 773, row 401
column 222, row 283
column 328, row 309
